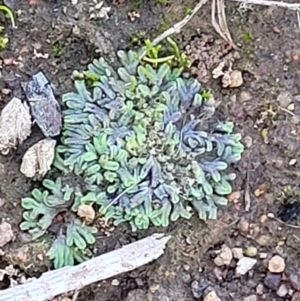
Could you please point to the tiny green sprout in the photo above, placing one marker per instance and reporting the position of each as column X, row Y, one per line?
column 206, row 94
column 3, row 38
column 57, row 50
column 187, row 10
column 138, row 37
column 10, row 14
column 248, row 37
column 163, row 25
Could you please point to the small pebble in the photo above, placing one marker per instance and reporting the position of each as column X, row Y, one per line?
column 264, row 240
column 236, row 195
column 237, row 253
column 276, row 264
column 198, row 288
column 244, row 265
column 251, row 252
column 245, row 96
column 263, row 255
column 251, row 298
column 154, row 287
column 115, row 282
column 272, row 281
column 211, row 296
column 236, row 79
column 284, row 98
column 139, row 282
column 295, row 281
column 282, row 291
column 291, row 107
column 218, row 273
column 248, row 141
column 224, row 258
column 292, row 162
column 186, row 278
column 260, row 289
column 296, row 296
column 291, row 292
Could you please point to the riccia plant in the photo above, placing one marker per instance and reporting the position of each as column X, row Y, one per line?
column 145, row 147
column 144, row 144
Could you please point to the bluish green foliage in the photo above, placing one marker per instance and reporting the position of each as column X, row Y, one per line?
column 143, row 141
column 42, row 208
column 144, row 144
column 64, row 251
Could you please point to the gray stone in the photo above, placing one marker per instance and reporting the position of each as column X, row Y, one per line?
column 282, row 291
column 251, row 298
column 272, row 281
column 285, row 98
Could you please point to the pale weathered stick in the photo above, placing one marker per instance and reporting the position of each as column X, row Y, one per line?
column 57, row 282
column 292, row 6
column 178, row 26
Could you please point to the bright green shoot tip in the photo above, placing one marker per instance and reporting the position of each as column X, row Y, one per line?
column 10, row 14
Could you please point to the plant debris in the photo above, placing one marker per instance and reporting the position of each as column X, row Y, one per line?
column 6, row 234
column 44, row 107
column 207, row 53
column 15, row 125
column 38, row 159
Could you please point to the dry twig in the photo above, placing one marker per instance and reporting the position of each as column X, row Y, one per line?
column 221, row 27
column 178, row 26
column 292, row 6
column 61, row 281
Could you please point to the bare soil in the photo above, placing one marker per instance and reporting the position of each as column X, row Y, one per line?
column 57, row 37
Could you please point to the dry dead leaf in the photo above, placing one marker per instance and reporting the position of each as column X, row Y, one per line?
column 6, row 234
column 38, row 159
column 15, row 125
column 86, row 211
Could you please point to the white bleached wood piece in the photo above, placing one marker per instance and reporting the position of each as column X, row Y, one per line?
column 60, row 281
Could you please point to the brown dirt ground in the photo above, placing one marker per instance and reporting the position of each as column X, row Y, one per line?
column 270, row 55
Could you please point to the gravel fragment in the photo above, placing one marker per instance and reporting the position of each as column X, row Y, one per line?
column 282, row 291
column 115, row 282
column 272, row 281
column 284, row 98
column 225, row 257
column 198, row 288
column 295, row 281
column 259, row 289
column 244, row 265
column 6, row 234
column 296, row 296
column 237, row 253
column 251, row 298
column 211, row 296
column 245, row 96
column 276, row 264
